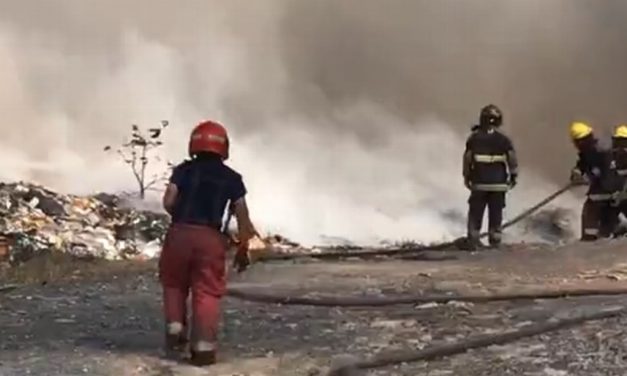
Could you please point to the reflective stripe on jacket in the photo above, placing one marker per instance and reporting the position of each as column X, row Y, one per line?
column 490, row 187
column 489, row 160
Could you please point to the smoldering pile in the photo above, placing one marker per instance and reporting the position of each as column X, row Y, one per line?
column 35, row 220
column 552, row 225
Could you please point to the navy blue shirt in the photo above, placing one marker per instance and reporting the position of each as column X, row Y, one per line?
column 205, row 187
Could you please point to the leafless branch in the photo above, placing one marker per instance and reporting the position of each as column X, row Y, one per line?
column 136, row 152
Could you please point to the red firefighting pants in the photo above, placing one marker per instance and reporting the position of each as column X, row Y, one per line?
column 193, row 260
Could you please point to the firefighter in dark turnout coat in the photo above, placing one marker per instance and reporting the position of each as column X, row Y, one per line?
column 490, row 169
column 597, row 168
column 619, row 154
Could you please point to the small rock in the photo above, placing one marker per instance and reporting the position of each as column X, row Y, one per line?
column 554, row 372
column 65, row 321
column 392, row 324
column 457, row 304
column 426, row 338
column 428, row 305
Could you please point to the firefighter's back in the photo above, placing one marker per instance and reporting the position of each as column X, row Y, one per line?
column 489, row 150
column 205, row 186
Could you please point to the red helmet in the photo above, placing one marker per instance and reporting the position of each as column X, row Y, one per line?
column 209, row 136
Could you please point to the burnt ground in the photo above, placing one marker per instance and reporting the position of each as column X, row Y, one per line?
column 107, row 321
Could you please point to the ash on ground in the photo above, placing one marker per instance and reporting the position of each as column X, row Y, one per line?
column 552, row 225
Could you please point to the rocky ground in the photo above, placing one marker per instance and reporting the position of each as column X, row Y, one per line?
column 103, row 318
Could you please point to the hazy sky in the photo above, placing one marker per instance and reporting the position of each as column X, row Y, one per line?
column 345, row 102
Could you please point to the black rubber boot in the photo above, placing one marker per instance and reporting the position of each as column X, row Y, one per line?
column 176, row 346
column 203, row 358
column 495, row 243
column 474, row 244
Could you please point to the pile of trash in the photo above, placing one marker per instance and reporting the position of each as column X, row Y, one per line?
column 34, row 220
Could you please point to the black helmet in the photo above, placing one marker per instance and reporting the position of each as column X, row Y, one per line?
column 491, row 115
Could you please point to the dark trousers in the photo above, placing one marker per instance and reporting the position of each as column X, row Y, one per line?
column 495, row 201
column 598, row 220
column 621, row 209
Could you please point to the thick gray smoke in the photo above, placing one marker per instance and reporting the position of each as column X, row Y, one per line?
column 348, row 117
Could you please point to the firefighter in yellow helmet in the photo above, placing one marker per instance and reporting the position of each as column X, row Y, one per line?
column 596, row 168
column 619, row 151
column 619, row 147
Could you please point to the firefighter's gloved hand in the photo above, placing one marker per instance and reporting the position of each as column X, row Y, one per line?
column 241, row 260
column 467, row 183
column 616, row 199
column 577, row 178
column 513, row 180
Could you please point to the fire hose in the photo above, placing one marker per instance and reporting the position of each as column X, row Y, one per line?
column 365, row 253
column 479, row 341
column 375, row 301
column 339, row 301
column 448, row 349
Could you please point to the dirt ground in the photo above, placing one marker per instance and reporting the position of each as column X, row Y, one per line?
column 104, row 319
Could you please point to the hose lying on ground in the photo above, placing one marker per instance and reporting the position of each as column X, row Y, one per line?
column 447, row 349
column 356, row 301
column 365, row 253
column 7, row 288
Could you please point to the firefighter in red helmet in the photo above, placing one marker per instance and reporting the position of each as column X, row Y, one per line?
column 193, row 255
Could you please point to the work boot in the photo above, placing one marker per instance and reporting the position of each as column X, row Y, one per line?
column 176, row 342
column 473, row 244
column 494, row 237
column 495, row 242
column 589, row 238
column 176, row 346
column 203, row 358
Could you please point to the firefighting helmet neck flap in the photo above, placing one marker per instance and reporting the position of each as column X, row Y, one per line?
column 491, row 115
column 209, row 136
column 579, row 130
column 620, row 131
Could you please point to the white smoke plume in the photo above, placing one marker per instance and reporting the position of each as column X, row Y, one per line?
column 348, row 118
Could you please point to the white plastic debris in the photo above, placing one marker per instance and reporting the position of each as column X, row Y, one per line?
column 35, row 220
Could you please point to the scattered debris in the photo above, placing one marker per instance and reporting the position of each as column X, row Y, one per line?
column 617, row 272
column 34, row 221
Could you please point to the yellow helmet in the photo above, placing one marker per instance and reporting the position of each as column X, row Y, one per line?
column 621, row 131
column 579, row 130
